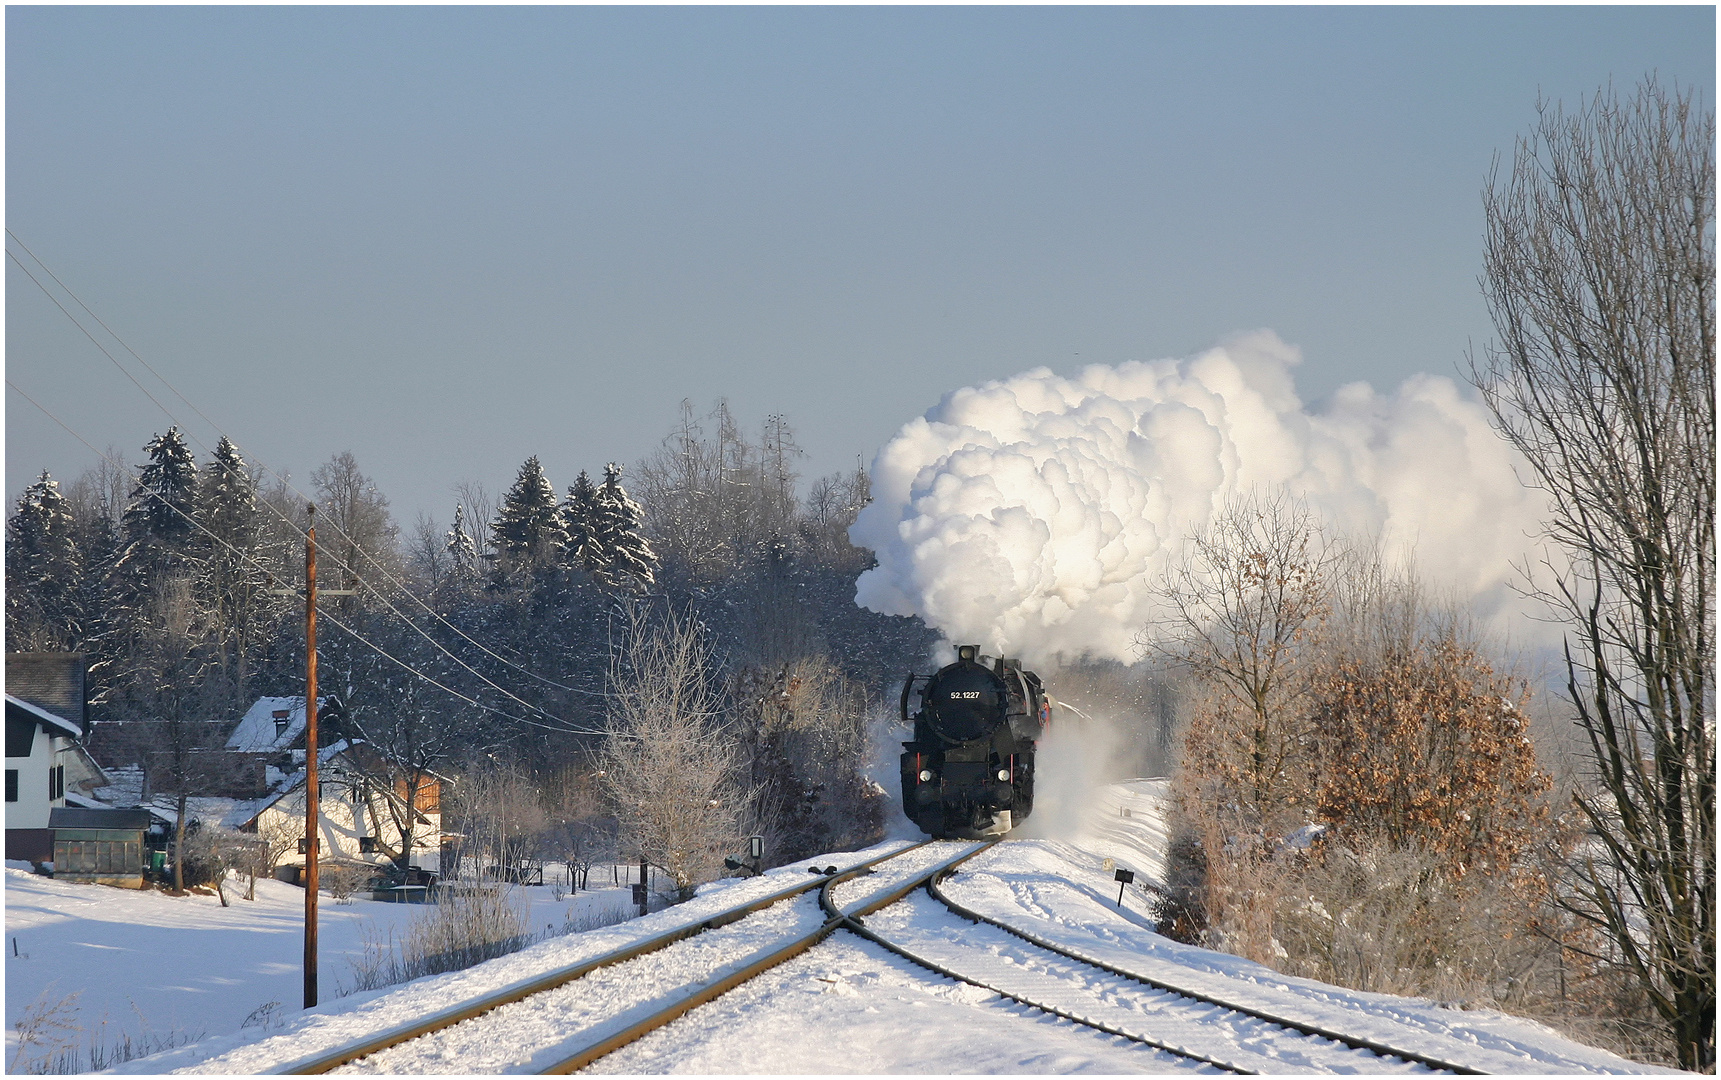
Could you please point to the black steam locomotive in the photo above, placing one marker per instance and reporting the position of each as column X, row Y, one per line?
column 969, row 773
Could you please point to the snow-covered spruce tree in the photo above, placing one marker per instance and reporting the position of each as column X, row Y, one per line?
column 44, row 571
column 233, row 581
column 158, row 545
column 528, row 530
column 462, row 549
column 162, row 502
column 581, row 512
column 631, row 564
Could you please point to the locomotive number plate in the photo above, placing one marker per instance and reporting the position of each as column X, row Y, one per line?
column 965, row 695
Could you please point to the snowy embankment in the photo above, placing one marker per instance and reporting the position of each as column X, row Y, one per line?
column 849, row 1007
column 161, row 968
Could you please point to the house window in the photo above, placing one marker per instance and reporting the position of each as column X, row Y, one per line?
column 56, row 781
column 11, row 785
column 281, row 717
column 367, row 845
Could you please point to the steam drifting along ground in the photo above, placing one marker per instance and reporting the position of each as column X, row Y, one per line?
column 1032, row 515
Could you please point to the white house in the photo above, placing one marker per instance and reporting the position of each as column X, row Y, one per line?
column 362, row 811
column 46, row 764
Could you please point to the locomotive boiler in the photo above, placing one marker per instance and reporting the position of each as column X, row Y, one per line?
column 969, row 772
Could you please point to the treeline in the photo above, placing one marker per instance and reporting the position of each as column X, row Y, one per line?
column 490, row 642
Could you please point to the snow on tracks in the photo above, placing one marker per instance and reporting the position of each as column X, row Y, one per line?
column 327, row 1031
column 1059, row 895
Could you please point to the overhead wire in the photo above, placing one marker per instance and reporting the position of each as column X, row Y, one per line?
column 255, row 562
column 360, row 579
column 291, row 525
column 283, row 480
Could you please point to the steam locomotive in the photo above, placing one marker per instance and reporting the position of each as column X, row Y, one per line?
column 969, row 773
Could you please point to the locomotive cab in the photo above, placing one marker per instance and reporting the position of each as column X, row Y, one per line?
column 969, row 771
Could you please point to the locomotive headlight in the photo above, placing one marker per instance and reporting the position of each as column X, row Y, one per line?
column 926, row 776
column 1004, row 775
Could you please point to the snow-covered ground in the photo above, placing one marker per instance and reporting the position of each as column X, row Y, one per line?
column 167, row 967
column 845, row 1007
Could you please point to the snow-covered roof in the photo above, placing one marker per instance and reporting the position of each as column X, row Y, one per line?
column 257, row 732
column 242, row 811
column 52, row 720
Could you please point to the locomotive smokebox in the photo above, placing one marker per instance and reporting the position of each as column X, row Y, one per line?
column 969, row 772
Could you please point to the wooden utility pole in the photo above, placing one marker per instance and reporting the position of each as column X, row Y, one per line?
column 311, row 809
column 310, row 845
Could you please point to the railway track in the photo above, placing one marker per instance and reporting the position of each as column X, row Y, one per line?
column 1275, row 1019
column 547, row 1025
column 1055, row 979
column 614, row 1002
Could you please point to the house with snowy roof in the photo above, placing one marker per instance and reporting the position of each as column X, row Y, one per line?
column 367, row 813
column 364, row 814
column 47, row 766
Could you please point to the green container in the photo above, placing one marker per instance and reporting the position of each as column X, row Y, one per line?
column 158, row 860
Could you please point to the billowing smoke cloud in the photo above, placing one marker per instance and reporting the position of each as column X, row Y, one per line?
column 1034, row 514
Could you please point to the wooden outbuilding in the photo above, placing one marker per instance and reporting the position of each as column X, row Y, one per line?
column 103, row 847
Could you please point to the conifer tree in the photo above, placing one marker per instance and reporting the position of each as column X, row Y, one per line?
column 233, row 580
column 164, row 498
column 629, row 561
column 462, row 550
column 581, row 515
column 153, row 570
column 528, row 530
column 44, row 571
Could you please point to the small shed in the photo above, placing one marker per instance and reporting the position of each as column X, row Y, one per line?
column 104, row 847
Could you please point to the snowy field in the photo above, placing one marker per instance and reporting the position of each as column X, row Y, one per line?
column 164, row 967
column 845, row 1007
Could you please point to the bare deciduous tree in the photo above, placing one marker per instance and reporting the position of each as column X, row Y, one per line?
column 1254, row 582
column 1599, row 275
column 360, row 531
column 670, row 763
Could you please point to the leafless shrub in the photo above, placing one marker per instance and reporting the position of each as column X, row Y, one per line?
column 266, row 1016
column 463, row 928
column 48, row 1022
column 342, row 879
column 53, row 1025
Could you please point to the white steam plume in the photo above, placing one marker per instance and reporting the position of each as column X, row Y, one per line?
column 1033, row 515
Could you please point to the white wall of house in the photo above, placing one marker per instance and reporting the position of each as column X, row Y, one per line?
column 343, row 823
column 31, row 809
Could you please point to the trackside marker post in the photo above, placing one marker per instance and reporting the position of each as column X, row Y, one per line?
column 1124, row 877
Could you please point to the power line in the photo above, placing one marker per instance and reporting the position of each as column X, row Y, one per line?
column 286, row 484
column 563, row 728
column 219, row 431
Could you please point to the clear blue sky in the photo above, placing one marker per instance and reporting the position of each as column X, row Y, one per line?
column 448, row 238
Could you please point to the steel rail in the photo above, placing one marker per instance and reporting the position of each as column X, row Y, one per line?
column 1355, row 1041
column 334, row 1059
column 697, row 994
column 852, row 924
